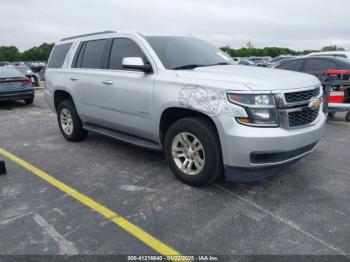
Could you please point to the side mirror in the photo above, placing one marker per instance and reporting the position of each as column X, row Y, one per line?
column 136, row 63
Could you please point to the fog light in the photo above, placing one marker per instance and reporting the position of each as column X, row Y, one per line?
column 261, row 114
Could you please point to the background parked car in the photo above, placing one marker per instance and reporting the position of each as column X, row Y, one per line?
column 14, row 85
column 315, row 65
column 259, row 61
column 245, row 61
column 37, row 66
column 277, row 60
column 29, row 73
column 4, row 63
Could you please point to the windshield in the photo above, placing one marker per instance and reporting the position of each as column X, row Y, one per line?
column 8, row 72
column 23, row 69
column 186, row 53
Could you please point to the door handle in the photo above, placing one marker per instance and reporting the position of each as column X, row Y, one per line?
column 73, row 79
column 107, row 82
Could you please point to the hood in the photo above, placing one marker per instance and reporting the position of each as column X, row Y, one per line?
column 255, row 78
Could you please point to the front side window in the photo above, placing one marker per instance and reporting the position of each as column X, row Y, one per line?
column 123, row 47
column 92, row 54
column 178, row 52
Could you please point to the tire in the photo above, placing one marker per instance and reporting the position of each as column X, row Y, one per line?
column 36, row 82
column 347, row 117
column 29, row 101
column 72, row 130
column 212, row 166
column 331, row 115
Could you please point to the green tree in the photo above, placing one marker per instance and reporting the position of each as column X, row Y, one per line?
column 9, row 53
column 332, row 48
column 37, row 53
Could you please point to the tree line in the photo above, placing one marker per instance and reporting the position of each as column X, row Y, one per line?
column 250, row 50
column 42, row 52
column 37, row 53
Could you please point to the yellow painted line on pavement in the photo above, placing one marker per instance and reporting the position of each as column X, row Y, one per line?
column 134, row 230
column 339, row 122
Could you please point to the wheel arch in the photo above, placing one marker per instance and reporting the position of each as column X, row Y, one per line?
column 172, row 114
column 61, row 95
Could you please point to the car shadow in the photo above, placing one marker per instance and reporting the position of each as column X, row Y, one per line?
column 140, row 154
column 10, row 105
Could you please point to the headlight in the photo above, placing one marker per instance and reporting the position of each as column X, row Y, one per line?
column 261, row 109
column 29, row 71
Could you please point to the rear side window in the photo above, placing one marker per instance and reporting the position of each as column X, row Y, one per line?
column 58, row 55
column 123, row 47
column 291, row 65
column 92, row 54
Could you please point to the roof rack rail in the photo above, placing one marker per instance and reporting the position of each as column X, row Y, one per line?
column 79, row 36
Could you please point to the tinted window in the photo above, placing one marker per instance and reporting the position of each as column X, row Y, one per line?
column 319, row 65
column 58, row 55
column 293, row 65
column 181, row 51
column 121, row 48
column 92, row 54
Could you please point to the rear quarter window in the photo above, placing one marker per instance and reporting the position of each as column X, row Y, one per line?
column 58, row 55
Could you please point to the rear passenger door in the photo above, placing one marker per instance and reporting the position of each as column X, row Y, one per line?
column 86, row 79
column 127, row 93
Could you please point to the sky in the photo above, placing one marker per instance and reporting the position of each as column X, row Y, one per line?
column 296, row 24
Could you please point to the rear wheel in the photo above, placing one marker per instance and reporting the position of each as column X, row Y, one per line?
column 347, row 117
column 29, row 101
column 193, row 152
column 331, row 115
column 69, row 122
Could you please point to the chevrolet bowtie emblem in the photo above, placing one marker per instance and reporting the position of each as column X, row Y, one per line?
column 315, row 104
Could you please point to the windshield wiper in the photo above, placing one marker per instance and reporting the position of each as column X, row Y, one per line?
column 221, row 63
column 191, row 66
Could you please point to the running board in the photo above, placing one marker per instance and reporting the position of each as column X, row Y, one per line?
column 123, row 137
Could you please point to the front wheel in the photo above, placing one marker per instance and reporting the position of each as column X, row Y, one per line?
column 193, row 152
column 69, row 122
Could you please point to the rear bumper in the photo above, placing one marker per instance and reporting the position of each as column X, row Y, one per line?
column 16, row 95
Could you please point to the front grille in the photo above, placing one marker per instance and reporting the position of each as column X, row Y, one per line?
column 303, row 117
column 301, row 96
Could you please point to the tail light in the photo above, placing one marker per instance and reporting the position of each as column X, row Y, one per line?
column 26, row 81
column 22, row 80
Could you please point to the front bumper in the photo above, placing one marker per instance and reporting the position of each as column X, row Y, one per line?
column 16, row 94
column 252, row 153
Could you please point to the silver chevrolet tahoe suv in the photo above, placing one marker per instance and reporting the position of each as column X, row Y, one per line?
column 181, row 95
